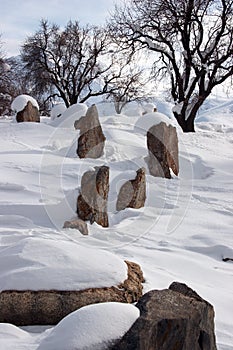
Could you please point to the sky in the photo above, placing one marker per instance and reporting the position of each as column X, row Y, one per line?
column 20, row 19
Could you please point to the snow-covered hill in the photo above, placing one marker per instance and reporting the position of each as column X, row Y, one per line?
column 182, row 234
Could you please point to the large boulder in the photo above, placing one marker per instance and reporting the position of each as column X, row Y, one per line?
column 162, row 143
column 48, row 307
column 171, row 319
column 91, row 140
column 92, row 201
column 132, row 194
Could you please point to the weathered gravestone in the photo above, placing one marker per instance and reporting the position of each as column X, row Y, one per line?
column 133, row 193
column 91, row 140
column 30, row 113
column 162, row 143
column 92, row 201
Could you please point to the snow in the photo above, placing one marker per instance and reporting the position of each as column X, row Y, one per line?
column 178, row 108
column 132, row 109
column 149, row 107
column 44, row 264
column 70, row 115
column 20, row 102
column 57, row 110
column 11, row 335
column 182, row 234
column 91, row 327
column 150, row 119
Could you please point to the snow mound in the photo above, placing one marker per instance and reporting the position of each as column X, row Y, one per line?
column 70, row 115
column 57, row 110
column 9, row 334
column 20, row 102
column 94, row 326
column 11, row 331
column 44, row 264
column 149, row 107
column 144, row 123
column 132, row 110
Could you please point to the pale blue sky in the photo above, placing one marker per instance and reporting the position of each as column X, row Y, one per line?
column 20, row 18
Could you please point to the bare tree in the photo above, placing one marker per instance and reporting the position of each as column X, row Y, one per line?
column 193, row 40
column 131, row 86
column 5, row 86
column 79, row 62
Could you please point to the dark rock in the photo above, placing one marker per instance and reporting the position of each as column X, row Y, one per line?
column 170, row 320
column 93, row 200
column 91, row 140
column 43, row 307
column 207, row 335
column 133, row 193
column 185, row 290
column 162, row 143
column 29, row 114
column 77, row 224
column 227, row 259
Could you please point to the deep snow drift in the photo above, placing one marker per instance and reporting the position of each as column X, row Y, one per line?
column 182, row 233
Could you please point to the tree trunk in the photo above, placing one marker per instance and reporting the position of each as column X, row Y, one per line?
column 117, row 107
column 187, row 125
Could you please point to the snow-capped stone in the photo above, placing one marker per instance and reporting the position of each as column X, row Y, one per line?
column 20, row 102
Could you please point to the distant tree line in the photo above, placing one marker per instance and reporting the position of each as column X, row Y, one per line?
column 74, row 64
column 190, row 43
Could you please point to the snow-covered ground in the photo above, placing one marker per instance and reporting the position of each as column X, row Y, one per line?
column 182, row 234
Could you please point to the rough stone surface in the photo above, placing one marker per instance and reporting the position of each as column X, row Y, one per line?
column 93, row 199
column 133, row 193
column 207, row 335
column 162, row 143
column 171, row 320
column 91, row 140
column 29, row 114
column 77, row 224
column 49, row 307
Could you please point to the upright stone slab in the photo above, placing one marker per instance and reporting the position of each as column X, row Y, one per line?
column 133, row 193
column 171, row 319
column 91, row 140
column 29, row 114
column 162, row 143
column 173, row 150
column 93, row 200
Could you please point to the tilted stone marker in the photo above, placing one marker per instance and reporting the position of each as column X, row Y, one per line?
column 92, row 201
column 133, row 193
column 162, row 143
column 91, row 140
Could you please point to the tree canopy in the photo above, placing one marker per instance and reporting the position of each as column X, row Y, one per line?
column 192, row 41
column 78, row 62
